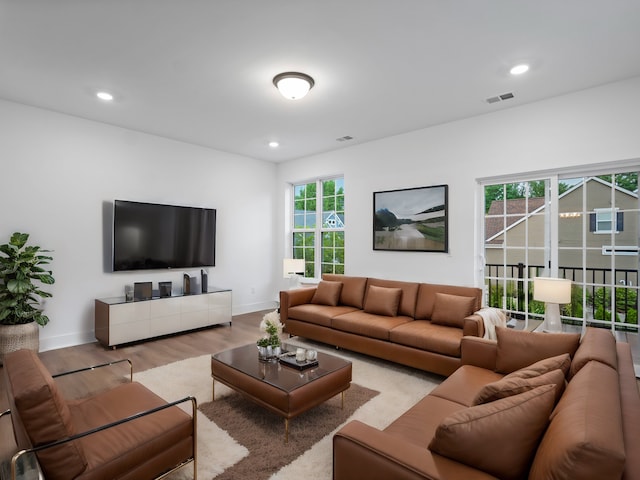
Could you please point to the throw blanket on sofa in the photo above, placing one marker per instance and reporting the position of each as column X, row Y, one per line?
column 492, row 318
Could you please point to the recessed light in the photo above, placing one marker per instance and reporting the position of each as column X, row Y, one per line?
column 106, row 96
column 274, row 144
column 519, row 69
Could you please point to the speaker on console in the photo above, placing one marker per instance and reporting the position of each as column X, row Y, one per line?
column 205, row 281
column 165, row 289
column 142, row 291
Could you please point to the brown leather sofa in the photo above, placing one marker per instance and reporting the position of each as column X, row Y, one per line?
column 415, row 324
column 509, row 413
column 126, row 432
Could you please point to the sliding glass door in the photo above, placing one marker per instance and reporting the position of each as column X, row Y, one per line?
column 598, row 249
column 581, row 227
column 516, row 247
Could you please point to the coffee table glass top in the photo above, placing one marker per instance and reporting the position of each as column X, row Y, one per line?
column 245, row 360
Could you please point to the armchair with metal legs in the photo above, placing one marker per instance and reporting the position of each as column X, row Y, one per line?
column 124, row 432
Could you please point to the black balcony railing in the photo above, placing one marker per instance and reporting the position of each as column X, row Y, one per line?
column 609, row 293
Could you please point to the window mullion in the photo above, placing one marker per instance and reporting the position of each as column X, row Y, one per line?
column 553, row 236
column 319, row 227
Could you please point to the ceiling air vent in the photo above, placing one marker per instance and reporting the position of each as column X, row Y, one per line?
column 346, row 138
column 500, row 98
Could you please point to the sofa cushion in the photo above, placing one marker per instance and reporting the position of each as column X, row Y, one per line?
column 562, row 362
column 318, row 314
column 327, row 293
column 367, row 324
column 427, row 297
column 597, row 344
column 419, row 423
column 463, row 385
column 517, row 348
column 584, row 439
column 353, row 288
column 408, row 298
column 165, row 436
column 509, row 386
column 451, row 310
column 44, row 414
column 382, row 300
column 424, row 335
column 500, row 437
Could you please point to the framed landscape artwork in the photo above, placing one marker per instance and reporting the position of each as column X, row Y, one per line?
column 412, row 219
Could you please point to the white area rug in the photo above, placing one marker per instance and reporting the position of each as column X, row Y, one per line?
column 400, row 388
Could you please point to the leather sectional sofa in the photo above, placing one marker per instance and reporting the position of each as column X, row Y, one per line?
column 529, row 405
column 416, row 324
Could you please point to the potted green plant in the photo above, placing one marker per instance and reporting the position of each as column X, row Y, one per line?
column 21, row 276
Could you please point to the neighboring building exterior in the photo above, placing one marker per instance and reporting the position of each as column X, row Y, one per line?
column 596, row 223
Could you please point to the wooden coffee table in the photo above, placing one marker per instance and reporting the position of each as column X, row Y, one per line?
column 284, row 390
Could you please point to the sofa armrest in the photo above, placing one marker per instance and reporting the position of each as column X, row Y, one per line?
column 473, row 326
column 480, row 352
column 630, row 408
column 291, row 298
column 362, row 451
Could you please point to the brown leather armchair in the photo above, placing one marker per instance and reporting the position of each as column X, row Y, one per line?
column 126, row 432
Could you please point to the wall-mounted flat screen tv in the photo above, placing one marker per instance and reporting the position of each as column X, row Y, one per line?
column 154, row 236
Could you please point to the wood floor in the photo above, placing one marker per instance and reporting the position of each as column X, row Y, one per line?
column 144, row 355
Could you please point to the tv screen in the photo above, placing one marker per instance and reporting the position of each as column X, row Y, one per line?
column 153, row 236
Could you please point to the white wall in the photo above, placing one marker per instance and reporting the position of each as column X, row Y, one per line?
column 587, row 127
column 56, row 173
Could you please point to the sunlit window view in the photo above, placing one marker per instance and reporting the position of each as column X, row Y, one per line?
column 318, row 226
column 587, row 232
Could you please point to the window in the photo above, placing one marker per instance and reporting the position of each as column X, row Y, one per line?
column 318, row 226
column 567, row 226
column 606, row 220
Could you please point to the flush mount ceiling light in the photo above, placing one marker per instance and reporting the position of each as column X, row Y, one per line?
column 293, row 85
column 106, row 96
column 519, row 69
column 274, row 144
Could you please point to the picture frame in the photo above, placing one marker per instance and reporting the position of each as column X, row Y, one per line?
column 411, row 219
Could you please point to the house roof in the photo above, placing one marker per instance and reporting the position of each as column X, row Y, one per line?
column 201, row 71
column 516, row 210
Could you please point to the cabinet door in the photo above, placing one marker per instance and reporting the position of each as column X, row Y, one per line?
column 128, row 322
column 195, row 312
column 219, row 308
column 131, row 312
column 165, row 316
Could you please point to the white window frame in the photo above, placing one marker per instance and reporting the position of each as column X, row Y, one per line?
column 554, row 176
column 613, row 214
column 319, row 224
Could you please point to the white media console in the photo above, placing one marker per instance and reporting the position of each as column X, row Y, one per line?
column 118, row 321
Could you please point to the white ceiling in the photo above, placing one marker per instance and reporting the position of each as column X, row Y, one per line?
column 201, row 71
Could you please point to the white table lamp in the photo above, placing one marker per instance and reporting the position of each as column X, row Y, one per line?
column 552, row 291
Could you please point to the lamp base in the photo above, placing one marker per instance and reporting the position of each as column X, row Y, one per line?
column 294, row 281
column 552, row 322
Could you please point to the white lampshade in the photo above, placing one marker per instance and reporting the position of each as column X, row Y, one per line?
column 292, row 266
column 293, row 85
column 552, row 290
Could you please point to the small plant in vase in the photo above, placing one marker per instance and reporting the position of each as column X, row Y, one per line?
column 269, row 346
